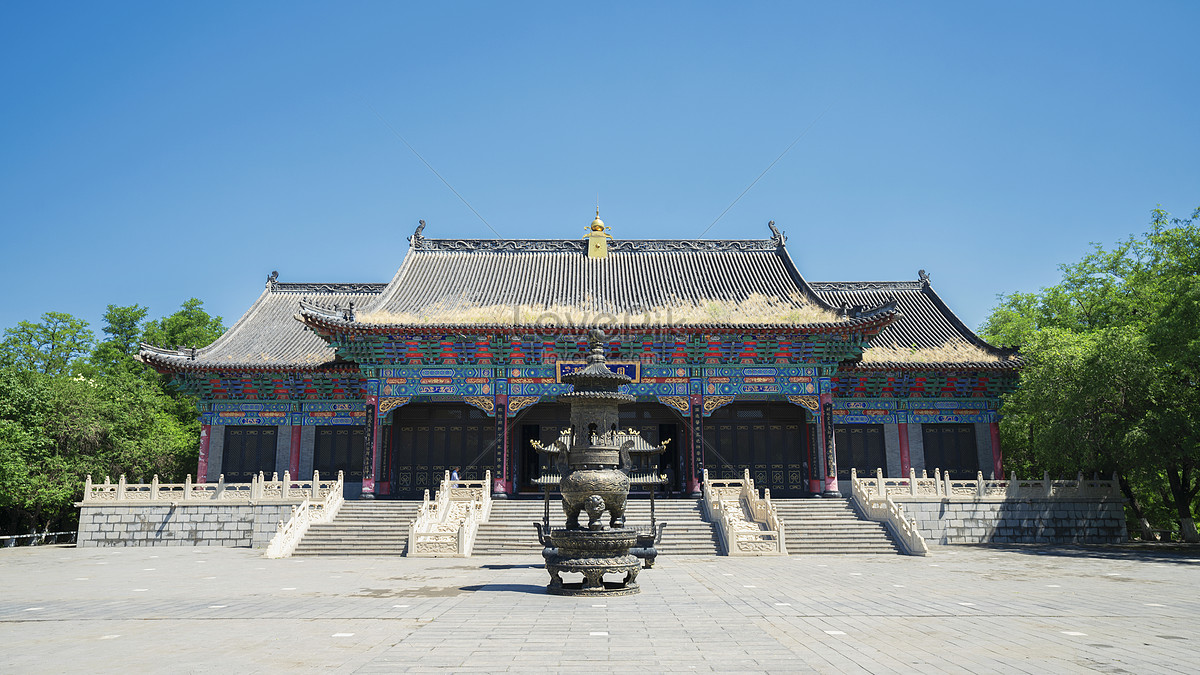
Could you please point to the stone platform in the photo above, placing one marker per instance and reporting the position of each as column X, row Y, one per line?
column 1018, row 609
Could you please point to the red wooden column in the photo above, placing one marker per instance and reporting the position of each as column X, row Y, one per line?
column 817, row 484
column 506, row 484
column 696, row 447
column 501, row 483
column 997, row 453
column 830, row 454
column 815, row 448
column 905, row 461
column 202, row 465
column 368, row 483
column 294, row 460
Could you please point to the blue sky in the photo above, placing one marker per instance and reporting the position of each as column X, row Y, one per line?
column 152, row 152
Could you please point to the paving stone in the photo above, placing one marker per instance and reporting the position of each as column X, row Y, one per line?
column 491, row 614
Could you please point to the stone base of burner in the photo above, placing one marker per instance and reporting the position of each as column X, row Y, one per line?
column 595, row 554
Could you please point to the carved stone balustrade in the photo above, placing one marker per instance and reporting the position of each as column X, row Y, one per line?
column 746, row 523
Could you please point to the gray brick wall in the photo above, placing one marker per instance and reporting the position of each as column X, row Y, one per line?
column 216, row 451
column 184, row 525
column 891, row 447
column 983, row 445
column 1036, row 521
column 308, row 445
column 916, row 448
column 283, row 448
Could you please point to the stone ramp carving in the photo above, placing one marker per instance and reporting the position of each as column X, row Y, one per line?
column 446, row 525
column 745, row 523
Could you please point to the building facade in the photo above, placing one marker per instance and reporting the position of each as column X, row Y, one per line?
column 737, row 363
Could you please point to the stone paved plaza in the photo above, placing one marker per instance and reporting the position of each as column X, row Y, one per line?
column 985, row 610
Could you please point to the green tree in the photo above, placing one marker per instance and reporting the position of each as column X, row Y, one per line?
column 51, row 347
column 123, row 325
column 191, row 326
column 1111, row 375
column 55, row 430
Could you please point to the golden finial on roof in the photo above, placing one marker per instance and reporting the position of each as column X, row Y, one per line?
column 597, row 224
column 598, row 237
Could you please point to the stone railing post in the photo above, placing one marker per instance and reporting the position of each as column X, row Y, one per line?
column 316, row 491
column 154, row 488
column 187, row 487
column 937, row 481
column 980, row 487
column 87, row 487
column 1079, row 483
column 879, row 489
column 286, row 487
column 121, row 488
column 1047, row 484
column 912, row 481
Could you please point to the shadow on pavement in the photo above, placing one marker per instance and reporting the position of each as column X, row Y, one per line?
column 510, row 588
column 1185, row 554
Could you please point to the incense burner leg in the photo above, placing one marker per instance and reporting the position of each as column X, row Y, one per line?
column 572, row 512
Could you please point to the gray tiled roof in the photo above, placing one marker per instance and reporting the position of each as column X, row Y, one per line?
column 926, row 321
column 637, row 275
column 268, row 337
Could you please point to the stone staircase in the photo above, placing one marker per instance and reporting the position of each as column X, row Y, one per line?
column 830, row 526
column 510, row 529
column 362, row 527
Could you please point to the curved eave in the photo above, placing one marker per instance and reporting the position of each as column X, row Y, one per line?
column 971, row 335
column 170, row 364
column 806, row 288
column 329, row 323
column 266, row 338
column 1010, row 365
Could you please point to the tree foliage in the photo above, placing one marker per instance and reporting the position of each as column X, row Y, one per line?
column 51, row 347
column 1112, row 364
column 68, row 410
column 123, row 325
column 191, row 326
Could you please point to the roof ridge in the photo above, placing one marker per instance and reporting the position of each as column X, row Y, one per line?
column 579, row 245
column 326, row 287
column 906, row 285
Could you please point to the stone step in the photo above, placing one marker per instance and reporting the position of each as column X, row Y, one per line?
column 322, row 536
column 510, row 528
column 813, row 526
column 351, row 549
column 362, row 528
column 814, row 512
column 813, row 550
